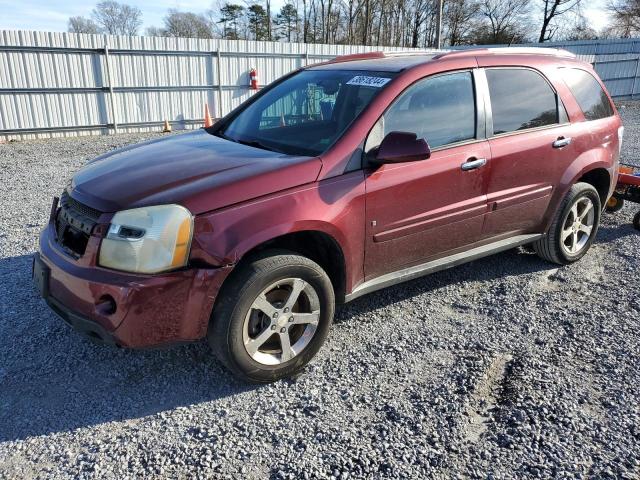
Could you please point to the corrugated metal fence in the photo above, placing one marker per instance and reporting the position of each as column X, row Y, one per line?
column 55, row 84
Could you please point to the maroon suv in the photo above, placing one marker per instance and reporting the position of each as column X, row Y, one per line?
column 337, row 180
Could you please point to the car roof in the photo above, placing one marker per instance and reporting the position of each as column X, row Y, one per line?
column 402, row 60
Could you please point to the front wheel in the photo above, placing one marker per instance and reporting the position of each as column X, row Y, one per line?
column 573, row 228
column 273, row 316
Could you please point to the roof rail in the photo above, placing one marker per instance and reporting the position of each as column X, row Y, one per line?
column 380, row 54
column 556, row 52
column 356, row 56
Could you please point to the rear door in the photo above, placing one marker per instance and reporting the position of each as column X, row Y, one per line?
column 418, row 210
column 531, row 146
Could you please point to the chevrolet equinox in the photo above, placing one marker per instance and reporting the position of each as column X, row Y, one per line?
column 337, row 180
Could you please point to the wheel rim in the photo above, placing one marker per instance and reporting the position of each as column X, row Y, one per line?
column 578, row 226
column 281, row 321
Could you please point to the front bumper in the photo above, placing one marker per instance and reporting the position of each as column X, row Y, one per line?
column 129, row 310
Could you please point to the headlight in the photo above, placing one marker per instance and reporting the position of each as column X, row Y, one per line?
column 148, row 240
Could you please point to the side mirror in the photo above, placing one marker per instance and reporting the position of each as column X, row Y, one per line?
column 399, row 147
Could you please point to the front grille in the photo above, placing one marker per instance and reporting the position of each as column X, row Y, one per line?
column 74, row 223
column 80, row 208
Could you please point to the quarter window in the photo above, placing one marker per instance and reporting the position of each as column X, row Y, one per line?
column 520, row 99
column 588, row 93
column 439, row 109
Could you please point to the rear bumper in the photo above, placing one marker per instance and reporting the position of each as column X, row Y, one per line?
column 129, row 310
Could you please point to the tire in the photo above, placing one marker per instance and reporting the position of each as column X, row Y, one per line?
column 552, row 247
column 241, row 323
column 636, row 221
column 614, row 204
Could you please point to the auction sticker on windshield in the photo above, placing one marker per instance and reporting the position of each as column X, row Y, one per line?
column 367, row 81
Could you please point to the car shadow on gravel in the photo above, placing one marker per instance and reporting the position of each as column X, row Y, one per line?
column 513, row 262
column 608, row 233
column 54, row 380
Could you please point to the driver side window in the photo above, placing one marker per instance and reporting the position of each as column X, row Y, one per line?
column 439, row 109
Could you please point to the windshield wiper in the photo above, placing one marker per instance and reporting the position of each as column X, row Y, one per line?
column 256, row 144
column 250, row 143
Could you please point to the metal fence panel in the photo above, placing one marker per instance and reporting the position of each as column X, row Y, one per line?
column 54, row 84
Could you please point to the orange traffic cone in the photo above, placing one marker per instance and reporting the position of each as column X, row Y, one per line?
column 167, row 127
column 207, row 116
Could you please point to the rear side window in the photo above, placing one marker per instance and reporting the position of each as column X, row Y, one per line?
column 588, row 93
column 440, row 109
column 520, row 99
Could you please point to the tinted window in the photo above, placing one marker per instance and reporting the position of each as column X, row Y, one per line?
column 520, row 99
column 439, row 109
column 588, row 93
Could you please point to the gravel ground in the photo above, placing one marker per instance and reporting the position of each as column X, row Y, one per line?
column 507, row 367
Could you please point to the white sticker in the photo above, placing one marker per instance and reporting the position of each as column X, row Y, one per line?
column 366, row 81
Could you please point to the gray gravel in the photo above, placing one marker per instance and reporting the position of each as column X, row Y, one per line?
column 507, row 367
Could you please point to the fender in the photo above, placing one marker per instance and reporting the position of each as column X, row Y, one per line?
column 593, row 159
column 223, row 237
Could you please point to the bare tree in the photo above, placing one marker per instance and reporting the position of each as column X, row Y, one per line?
column 579, row 29
column 552, row 10
column 117, row 18
column 625, row 20
column 82, row 25
column 460, row 17
column 155, row 32
column 506, row 21
column 185, row 24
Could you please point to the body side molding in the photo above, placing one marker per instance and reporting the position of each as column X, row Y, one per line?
column 443, row 263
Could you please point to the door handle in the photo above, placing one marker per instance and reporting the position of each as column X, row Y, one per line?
column 473, row 163
column 562, row 142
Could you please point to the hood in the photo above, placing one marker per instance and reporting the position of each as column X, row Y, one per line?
column 198, row 170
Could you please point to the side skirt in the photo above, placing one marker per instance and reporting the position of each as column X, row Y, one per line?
column 443, row 263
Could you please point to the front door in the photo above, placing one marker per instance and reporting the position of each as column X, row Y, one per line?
column 417, row 211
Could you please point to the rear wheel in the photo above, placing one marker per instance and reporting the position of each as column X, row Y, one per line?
column 573, row 228
column 636, row 221
column 273, row 316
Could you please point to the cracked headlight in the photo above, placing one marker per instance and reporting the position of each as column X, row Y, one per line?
column 148, row 239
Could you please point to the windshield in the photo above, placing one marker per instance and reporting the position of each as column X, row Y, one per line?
column 307, row 113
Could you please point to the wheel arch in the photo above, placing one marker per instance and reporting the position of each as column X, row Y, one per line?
column 600, row 179
column 317, row 245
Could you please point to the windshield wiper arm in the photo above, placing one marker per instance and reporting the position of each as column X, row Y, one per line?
column 257, row 144
column 250, row 143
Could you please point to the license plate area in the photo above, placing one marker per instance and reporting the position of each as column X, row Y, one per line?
column 41, row 274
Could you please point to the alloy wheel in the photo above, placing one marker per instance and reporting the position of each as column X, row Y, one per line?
column 281, row 321
column 578, row 226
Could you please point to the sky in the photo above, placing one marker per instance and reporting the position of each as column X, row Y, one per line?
column 46, row 15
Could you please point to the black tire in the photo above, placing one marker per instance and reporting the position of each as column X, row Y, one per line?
column 636, row 221
column 614, row 204
column 549, row 247
column 246, row 283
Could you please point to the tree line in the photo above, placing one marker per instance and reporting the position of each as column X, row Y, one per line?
column 402, row 23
